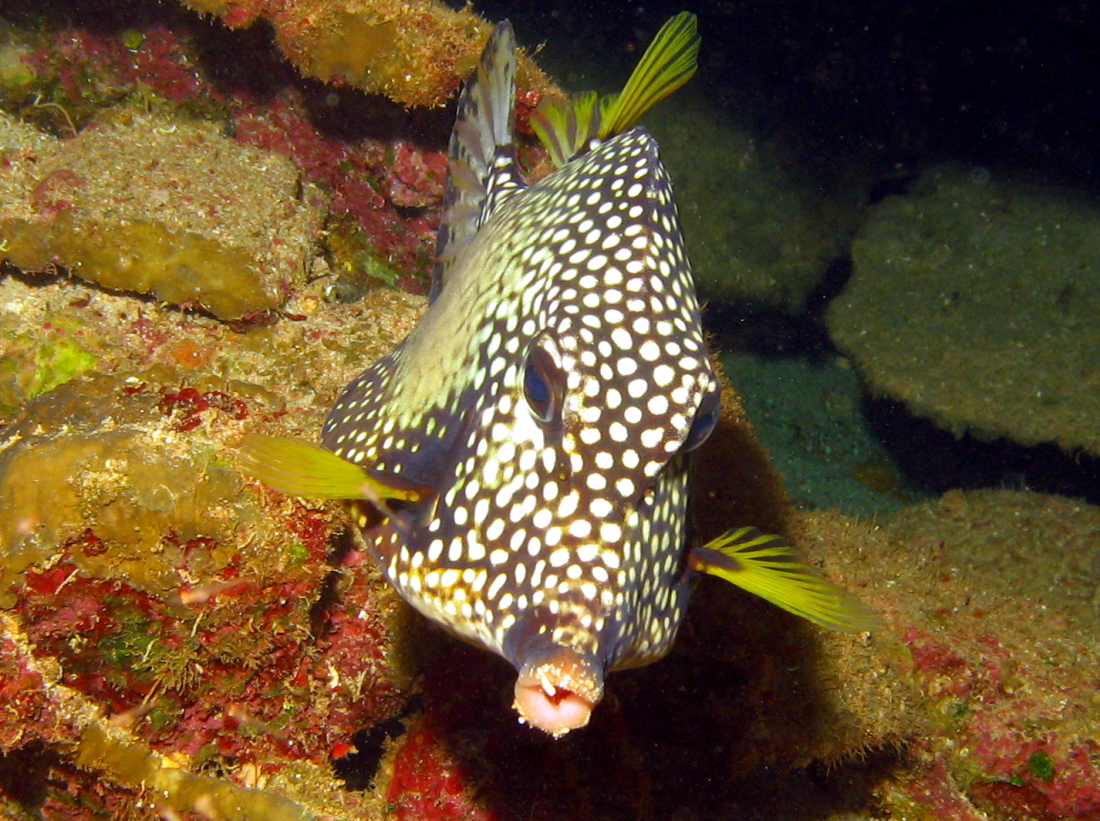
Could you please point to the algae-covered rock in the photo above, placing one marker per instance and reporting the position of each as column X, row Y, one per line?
column 112, row 772
column 186, row 602
column 109, row 465
column 415, row 53
column 976, row 302
column 995, row 595
column 757, row 229
column 160, row 206
column 987, row 672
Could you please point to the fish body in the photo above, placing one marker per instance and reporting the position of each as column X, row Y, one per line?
column 548, row 399
column 539, row 422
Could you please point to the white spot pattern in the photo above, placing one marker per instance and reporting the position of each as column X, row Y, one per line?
column 583, row 520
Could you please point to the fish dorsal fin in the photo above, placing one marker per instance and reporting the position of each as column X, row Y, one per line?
column 668, row 63
column 482, row 165
column 568, row 127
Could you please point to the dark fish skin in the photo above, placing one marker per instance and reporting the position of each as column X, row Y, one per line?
column 548, row 402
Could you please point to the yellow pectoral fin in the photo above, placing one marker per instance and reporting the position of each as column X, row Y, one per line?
column 300, row 468
column 668, row 63
column 761, row 565
column 565, row 126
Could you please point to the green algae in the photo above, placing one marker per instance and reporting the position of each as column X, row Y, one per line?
column 31, row 366
column 58, row 362
column 299, row 555
column 1041, row 766
column 16, row 74
column 355, row 260
column 133, row 39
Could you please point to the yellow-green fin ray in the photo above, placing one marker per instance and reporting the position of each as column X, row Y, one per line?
column 566, row 127
column 761, row 564
column 668, row 63
column 300, row 468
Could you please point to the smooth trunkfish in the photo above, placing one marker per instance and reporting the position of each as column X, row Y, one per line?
column 519, row 466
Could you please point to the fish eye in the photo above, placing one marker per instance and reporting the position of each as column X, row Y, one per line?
column 543, row 382
column 706, row 418
column 537, row 392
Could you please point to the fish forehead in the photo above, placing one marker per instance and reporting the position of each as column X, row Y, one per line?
column 613, row 290
column 592, row 254
column 582, row 531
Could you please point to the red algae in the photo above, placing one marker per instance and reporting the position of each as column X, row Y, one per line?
column 427, row 784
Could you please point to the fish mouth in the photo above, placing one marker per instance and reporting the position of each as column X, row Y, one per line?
column 557, row 689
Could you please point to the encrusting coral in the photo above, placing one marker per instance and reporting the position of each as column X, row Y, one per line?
column 416, row 53
column 974, row 301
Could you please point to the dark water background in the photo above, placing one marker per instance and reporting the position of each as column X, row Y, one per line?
column 990, row 83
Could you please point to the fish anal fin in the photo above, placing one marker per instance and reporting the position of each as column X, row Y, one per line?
column 762, row 565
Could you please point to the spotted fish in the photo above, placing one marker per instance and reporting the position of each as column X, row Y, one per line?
column 529, row 444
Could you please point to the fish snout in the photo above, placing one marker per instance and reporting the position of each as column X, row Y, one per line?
column 557, row 689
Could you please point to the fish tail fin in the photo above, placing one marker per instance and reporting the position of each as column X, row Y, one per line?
column 483, row 126
column 300, row 468
column 762, row 565
column 567, row 127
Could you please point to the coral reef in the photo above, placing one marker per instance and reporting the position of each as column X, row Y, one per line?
column 415, row 53
column 133, row 492
column 973, row 300
column 52, row 328
column 178, row 641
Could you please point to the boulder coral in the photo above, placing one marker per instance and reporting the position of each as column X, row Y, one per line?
column 974, row 300
column 138, row 203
